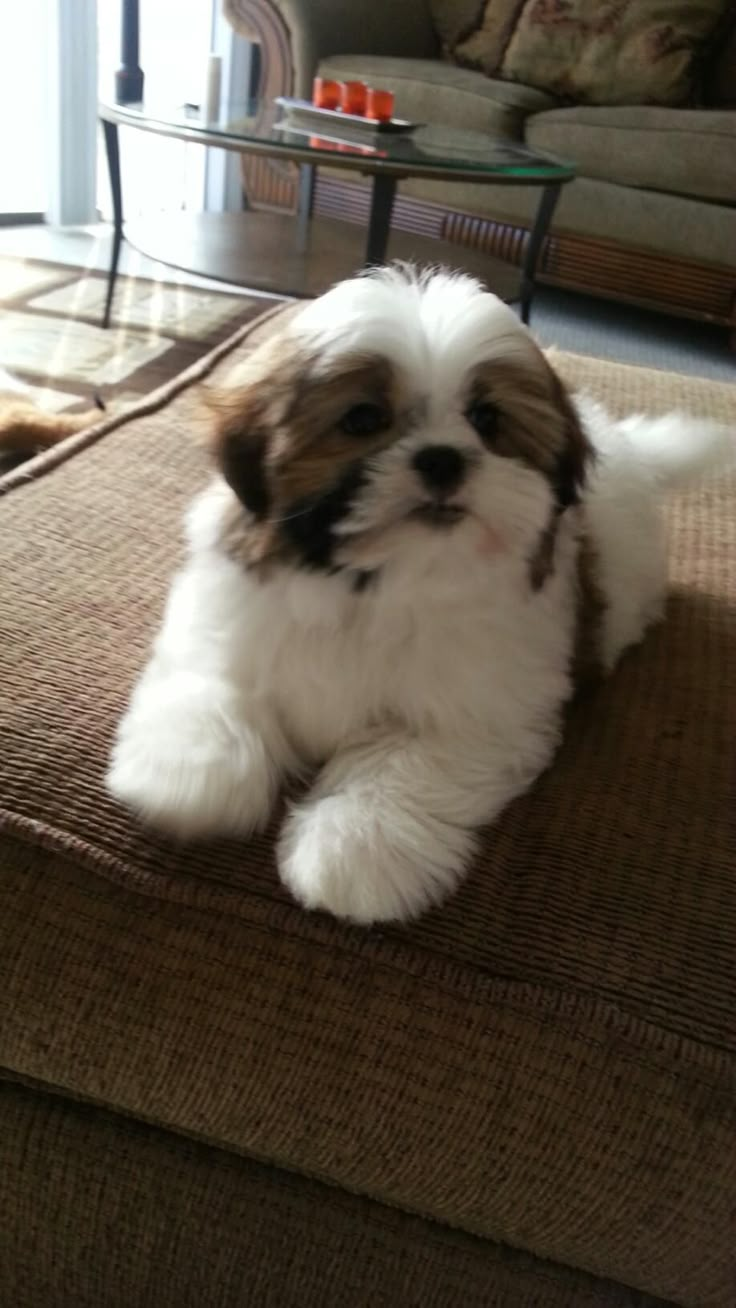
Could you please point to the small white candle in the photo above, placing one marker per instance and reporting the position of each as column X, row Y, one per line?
column 212, row 89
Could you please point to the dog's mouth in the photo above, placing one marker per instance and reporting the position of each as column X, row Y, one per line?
column 439, row 514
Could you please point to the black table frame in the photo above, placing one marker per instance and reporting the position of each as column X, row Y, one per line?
column 383, row 192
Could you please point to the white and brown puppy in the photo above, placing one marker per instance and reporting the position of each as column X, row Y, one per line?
column 415, row 539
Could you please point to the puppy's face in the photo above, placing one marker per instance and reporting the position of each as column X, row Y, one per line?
column 395, row 410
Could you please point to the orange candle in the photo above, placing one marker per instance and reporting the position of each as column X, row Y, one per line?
column 353, row 96
column 325, row 93
column 380, row 104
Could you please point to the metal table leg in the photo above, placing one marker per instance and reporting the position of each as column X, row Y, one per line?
column 112, row 149
column 307, row 176
column 547, row 204
column 379, row 221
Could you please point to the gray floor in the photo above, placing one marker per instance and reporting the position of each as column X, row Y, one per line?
column 574, row 322
column 616, row 331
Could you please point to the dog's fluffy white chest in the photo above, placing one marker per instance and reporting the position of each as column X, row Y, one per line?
column 454, row 640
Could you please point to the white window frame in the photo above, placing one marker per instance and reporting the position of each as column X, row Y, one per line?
column 223, row 187
column 72, row 111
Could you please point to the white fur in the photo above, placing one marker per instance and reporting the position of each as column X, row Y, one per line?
column 430, row 700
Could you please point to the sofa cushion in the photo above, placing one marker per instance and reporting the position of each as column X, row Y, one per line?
column 548, row 1060
column 432, row 92
column 101, row 1211
column 685, row 151
column 647, row 222
column 630, row 52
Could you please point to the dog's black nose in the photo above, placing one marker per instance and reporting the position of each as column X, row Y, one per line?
column 440, row 466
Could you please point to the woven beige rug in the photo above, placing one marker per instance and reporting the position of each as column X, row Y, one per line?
column 50, row 333
column 548, row 1061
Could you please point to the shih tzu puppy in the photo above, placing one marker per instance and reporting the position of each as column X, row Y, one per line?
column 415, row 545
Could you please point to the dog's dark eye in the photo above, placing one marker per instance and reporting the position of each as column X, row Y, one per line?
column 364, row 420
column 484, row 418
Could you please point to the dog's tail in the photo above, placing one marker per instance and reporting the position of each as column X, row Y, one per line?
column 677, row 450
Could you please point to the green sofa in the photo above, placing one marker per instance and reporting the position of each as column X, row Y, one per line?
column 651, row 218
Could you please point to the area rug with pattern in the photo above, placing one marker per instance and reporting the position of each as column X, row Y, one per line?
column 51, row 335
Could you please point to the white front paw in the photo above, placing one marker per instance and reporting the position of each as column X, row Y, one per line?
column 369, row 866
column 186, row 763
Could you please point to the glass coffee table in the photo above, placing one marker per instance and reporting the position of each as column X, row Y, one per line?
column 295, row 256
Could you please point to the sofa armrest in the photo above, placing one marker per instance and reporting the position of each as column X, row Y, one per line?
column 295, row 35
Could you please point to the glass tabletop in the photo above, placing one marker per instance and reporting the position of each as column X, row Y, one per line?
column 429, row 150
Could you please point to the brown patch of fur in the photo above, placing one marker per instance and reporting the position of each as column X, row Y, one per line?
column 542, row 561
column 316, row 450
column 26, row 430
column 537, row 422
column 591, row 605
column 278, row 440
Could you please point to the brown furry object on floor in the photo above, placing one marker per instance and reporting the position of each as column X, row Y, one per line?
column 26, row 430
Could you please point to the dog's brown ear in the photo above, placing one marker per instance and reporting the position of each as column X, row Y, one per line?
column 237, row 439
column 573, row 460
column 245, row 415
column 241, row 452
column 241, row 418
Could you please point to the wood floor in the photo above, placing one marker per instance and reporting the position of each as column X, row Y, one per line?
column 574, row 322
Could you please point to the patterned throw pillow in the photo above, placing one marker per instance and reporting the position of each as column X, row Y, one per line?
column 587, row 51
column 458, row 21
